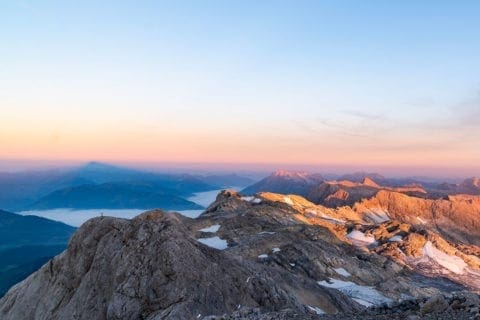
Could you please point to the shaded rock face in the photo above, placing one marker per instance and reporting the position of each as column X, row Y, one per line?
column 470, row 186
column 335, row 194
column 282, row 257
column 457, row 305
column 26, row 243
column 150, row 268
column 286, row 182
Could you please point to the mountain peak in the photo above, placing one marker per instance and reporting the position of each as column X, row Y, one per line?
column 361, row 176
column 96, row 165
column 469, row 186
column 473, row 181
column 289, row 174
column 285, row 181
column 369, row 182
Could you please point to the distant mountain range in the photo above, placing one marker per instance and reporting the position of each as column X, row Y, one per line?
column 26, row 243
column 350, row 188
column 99, row 185
column 103, row 186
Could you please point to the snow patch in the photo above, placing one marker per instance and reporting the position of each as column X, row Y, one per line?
column 288, row 201
column 342, row 272
column 314, row 212
column 361, row 237
column 214, row 242
column 266, row 232
column 364, row 295
column 317, row 310
column 363, row 302
column 212, row 229
column 251, row 199
column 421, row 220
column 396, row 239
column 275, row 250
column 263, row 256
column 452, row 263
column 332, row 219
column 377, row 215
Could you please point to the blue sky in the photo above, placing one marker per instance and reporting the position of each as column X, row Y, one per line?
column 360, row 83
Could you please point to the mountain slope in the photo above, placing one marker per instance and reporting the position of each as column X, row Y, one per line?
column 470, row 186
column 17, row 230
column 456, row 217
column 286, row 182
column 26, row 243
column 426, row 248
column 345, row 193
column 150, row 268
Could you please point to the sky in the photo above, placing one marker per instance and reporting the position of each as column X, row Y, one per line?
column 392, row 85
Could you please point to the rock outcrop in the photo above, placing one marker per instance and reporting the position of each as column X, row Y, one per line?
column 457, row 218
column 152, row 268
column 335, row 194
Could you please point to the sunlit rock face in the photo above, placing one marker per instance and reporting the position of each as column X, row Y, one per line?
column 346, row 193
column 265, row 256
column 456, row 217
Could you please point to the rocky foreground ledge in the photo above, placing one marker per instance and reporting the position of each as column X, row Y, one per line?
column 243, row 258
column 454, row 306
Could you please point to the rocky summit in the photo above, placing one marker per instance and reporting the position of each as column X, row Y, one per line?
column 267, row 256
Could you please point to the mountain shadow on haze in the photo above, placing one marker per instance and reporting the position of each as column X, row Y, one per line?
column 106, row 186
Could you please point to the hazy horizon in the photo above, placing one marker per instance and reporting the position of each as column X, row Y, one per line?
column 248, row 169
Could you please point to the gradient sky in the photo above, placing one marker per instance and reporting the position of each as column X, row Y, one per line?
column 358, row 84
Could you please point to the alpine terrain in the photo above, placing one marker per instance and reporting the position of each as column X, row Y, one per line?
column 388, row 253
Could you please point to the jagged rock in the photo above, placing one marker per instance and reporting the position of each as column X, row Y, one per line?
column 435, row 304
column 151, row 268
column 455, row 218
